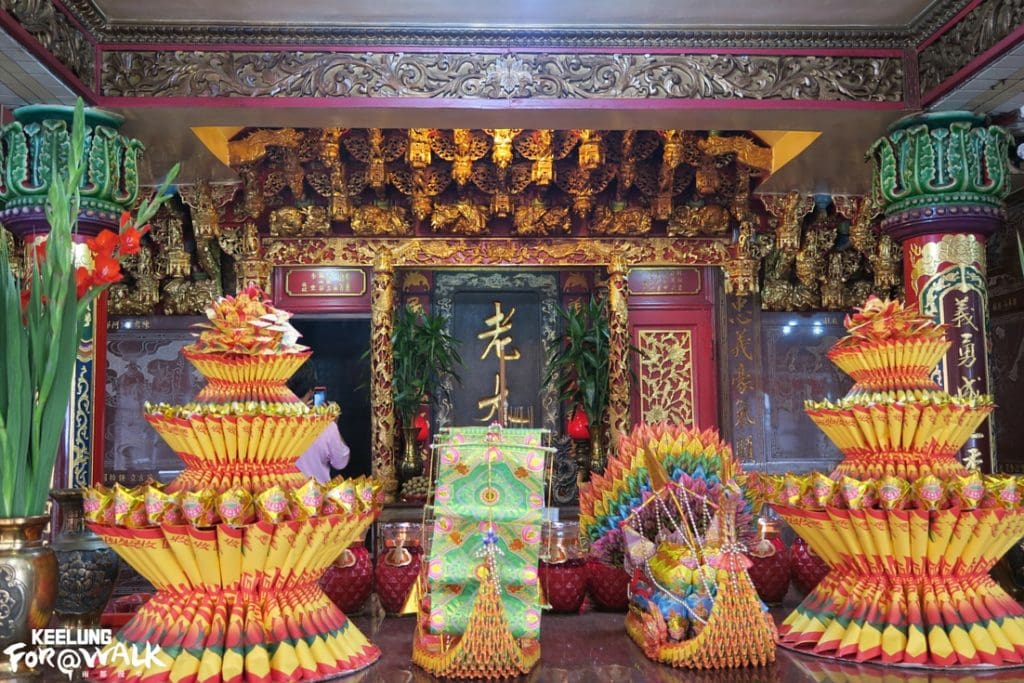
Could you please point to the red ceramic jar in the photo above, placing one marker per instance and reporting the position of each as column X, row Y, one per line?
column 608, row 586
column 399, row 558
column 770, row 568
column 808, row 569
column 348, row 582
column 562, row 570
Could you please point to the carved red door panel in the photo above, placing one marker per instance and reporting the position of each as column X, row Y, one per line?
column 675, row 366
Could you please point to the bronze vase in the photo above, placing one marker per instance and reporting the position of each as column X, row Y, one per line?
column 410, row 465
column 28, row 583
column 598, row 456
column 88, row 567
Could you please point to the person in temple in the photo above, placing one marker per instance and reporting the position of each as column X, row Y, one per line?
column 329, row 450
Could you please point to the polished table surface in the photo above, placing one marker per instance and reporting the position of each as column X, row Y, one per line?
column 594, row 647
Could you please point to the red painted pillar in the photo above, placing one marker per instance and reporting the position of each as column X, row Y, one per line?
column 942, row 179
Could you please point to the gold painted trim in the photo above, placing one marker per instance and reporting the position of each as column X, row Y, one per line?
column 495, row 251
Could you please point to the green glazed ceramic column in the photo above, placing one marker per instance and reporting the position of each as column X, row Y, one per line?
column 942, row 179
column 34, row 144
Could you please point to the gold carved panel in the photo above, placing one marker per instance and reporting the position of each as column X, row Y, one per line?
column 666, row 376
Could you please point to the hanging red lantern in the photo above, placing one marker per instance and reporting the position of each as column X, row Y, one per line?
column 423, row 425
column 577, row 427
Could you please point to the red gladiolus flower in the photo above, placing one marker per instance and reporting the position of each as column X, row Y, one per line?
column 26, row 294
column 131, row 241
column 126, row 219
column 83, row 281
column 107, row 270
column 103, row 244
column 39, row 251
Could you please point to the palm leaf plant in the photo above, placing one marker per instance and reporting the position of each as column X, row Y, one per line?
column 578, row 366
column 40, row 323
column 425, row 354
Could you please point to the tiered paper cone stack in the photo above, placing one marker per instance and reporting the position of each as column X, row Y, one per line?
column 909, row 533
column 235, row 546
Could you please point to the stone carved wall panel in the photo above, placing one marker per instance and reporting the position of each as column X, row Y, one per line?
column 1007, row 373
column 447, row 287
column 474, row 76
column 144, row 363
column 795, row 369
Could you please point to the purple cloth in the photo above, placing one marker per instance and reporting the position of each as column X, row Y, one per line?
column 329, row 450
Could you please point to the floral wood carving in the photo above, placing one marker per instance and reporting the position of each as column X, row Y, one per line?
column 984, row 26
column 220, row 73
column 57, row 33
column 666, row 376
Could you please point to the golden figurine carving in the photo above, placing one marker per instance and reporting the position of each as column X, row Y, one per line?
column 418, row 155
column 462, row 147
column 629, row 220
column 253, row 147
column 308, row 221
column 746, row 150
column 252, row 204
column 501, row 150
column 376, row 220
column 537, row 219
column 460, row 218
column 590, row 153
column 708, row 220
column 887, row 262
column 142, row 297
column 788, row 213
column 206, row 201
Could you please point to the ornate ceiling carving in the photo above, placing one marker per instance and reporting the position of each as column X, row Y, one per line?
column 922, row 27
column 391, row 182
column 983, row 27
column 57, row 33
column 496, row 76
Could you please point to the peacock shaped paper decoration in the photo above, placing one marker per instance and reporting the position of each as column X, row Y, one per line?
column 670, row 508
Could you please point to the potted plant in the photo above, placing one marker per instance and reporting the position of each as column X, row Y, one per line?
column 41, row 316
column 425, row 354
column 578, row 367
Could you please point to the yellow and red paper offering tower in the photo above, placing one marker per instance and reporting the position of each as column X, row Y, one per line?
column 236, row 544
column 908, row 532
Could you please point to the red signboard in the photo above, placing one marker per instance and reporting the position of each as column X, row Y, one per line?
column 322, row 289
column 665, row 281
